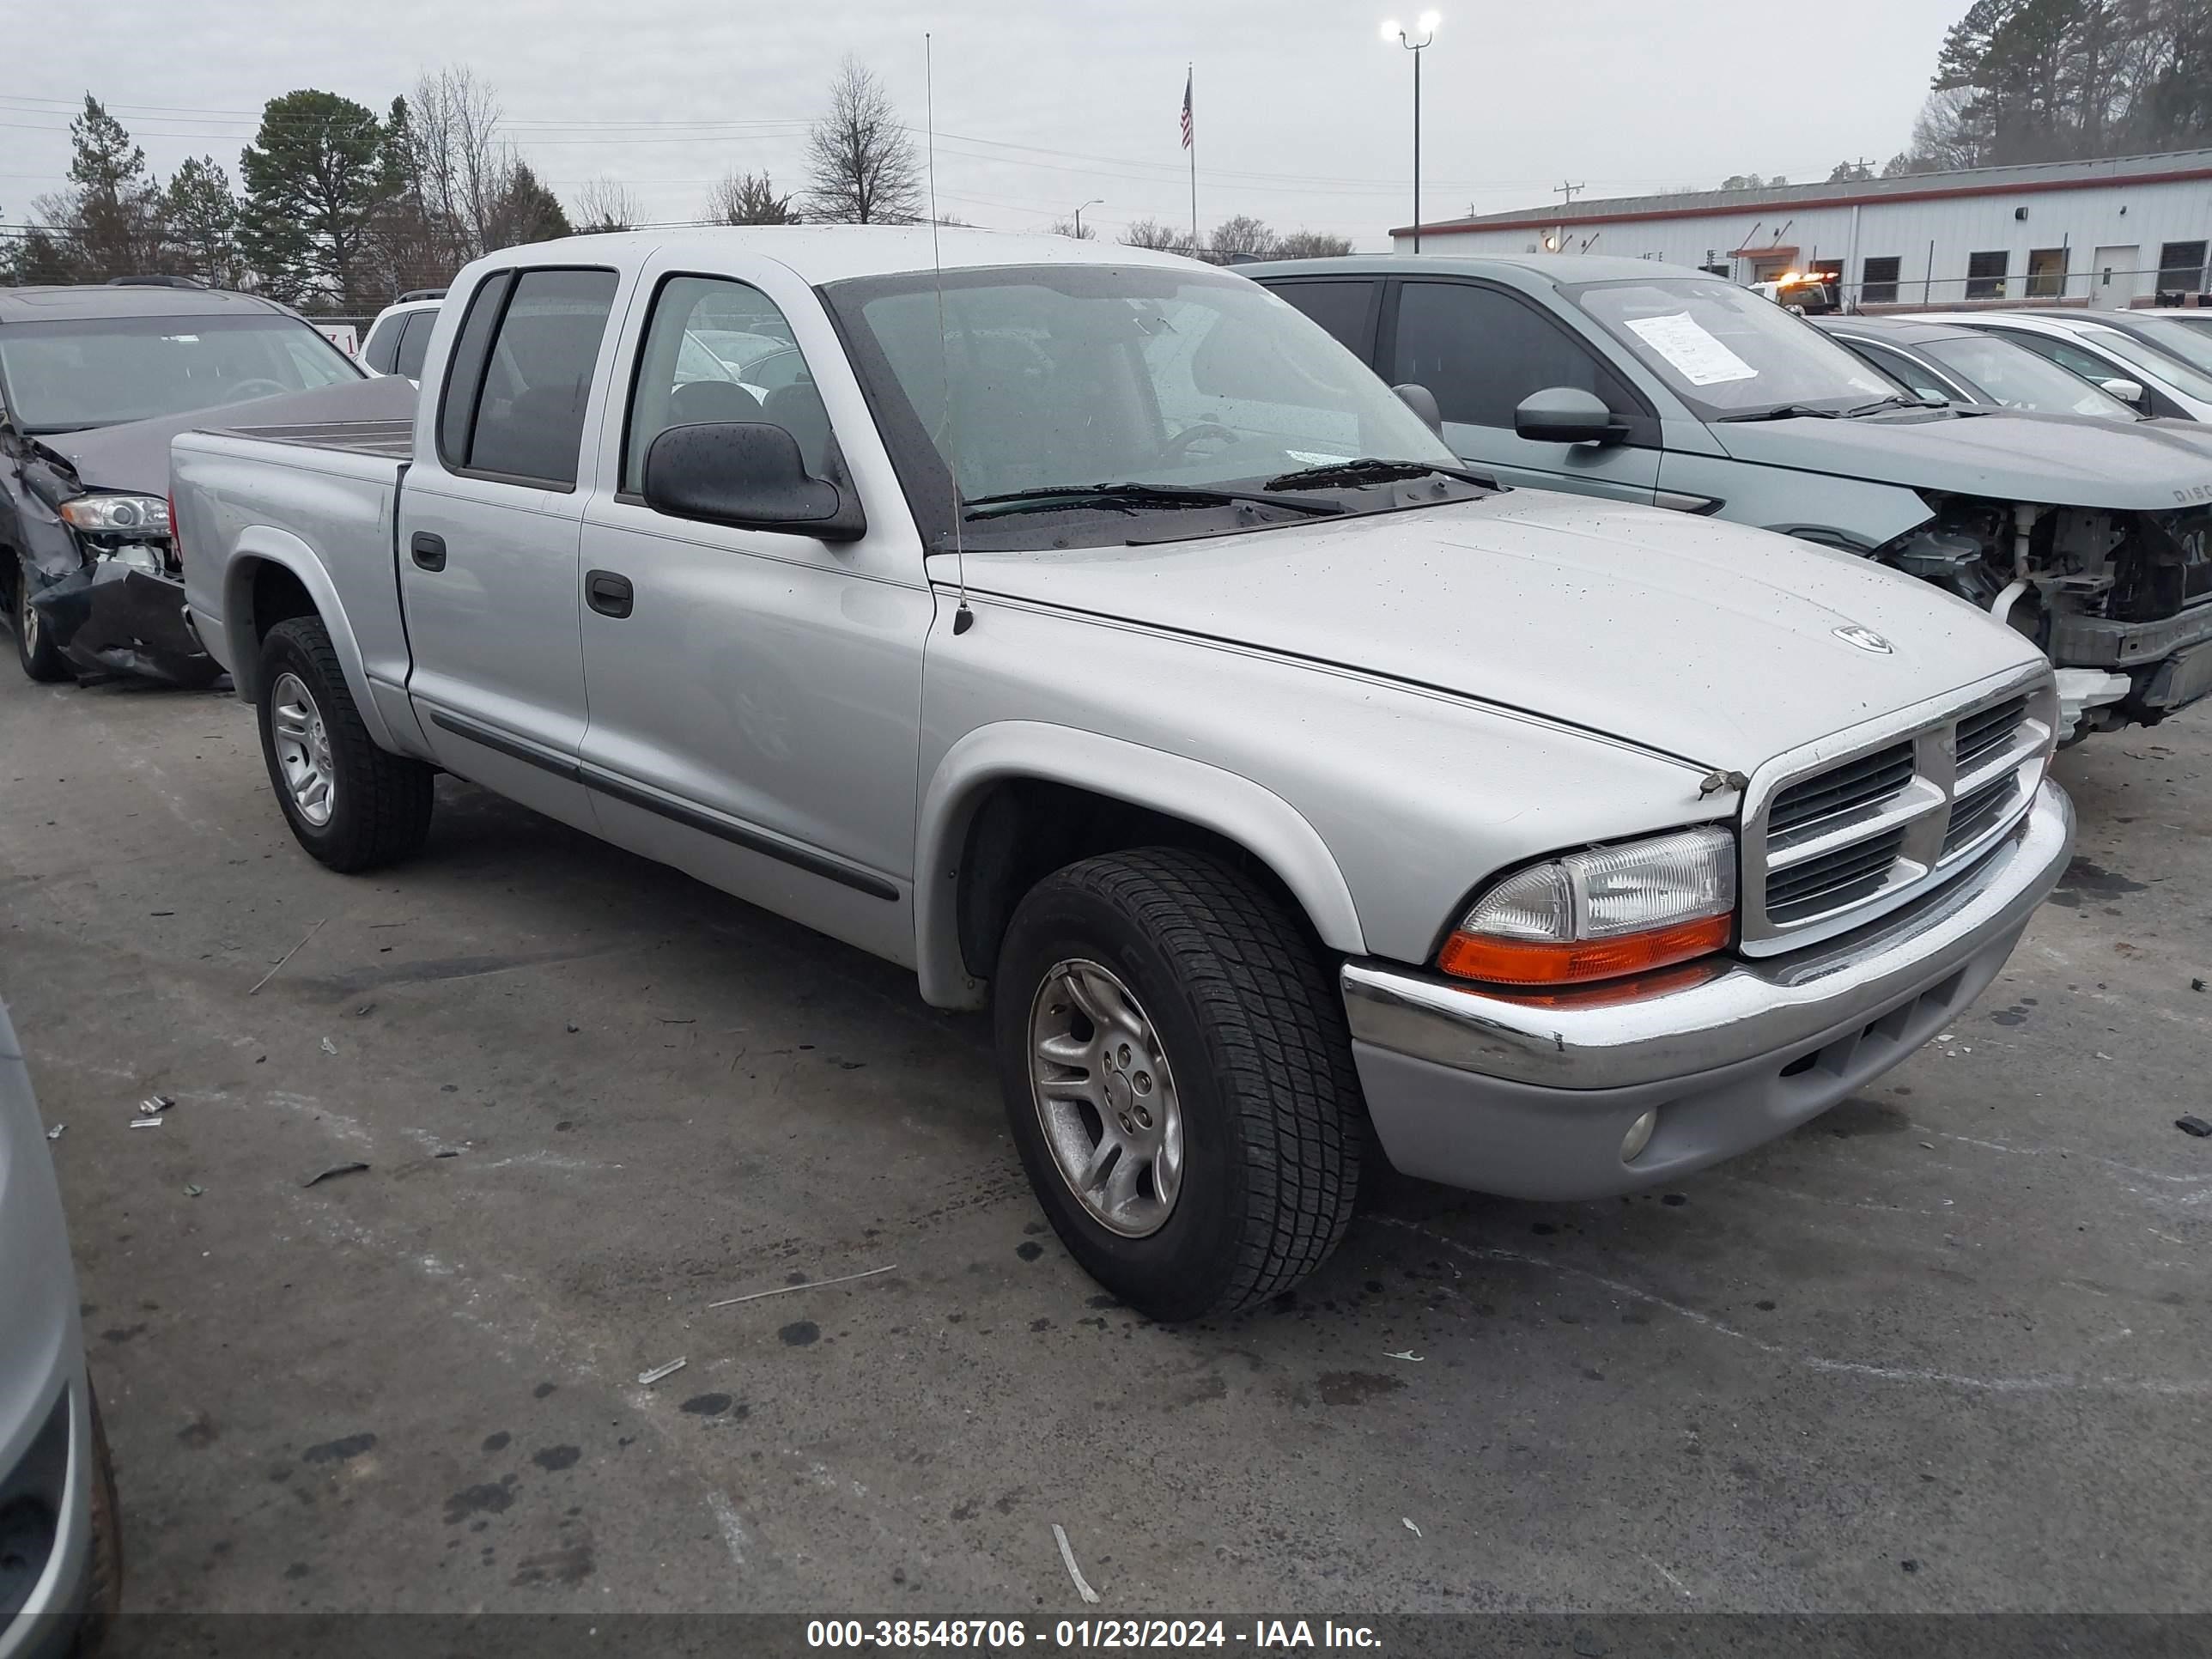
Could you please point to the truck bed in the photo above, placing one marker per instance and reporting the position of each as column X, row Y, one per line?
column 392, row 438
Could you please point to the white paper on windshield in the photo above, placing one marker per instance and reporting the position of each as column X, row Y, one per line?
column 1696, row 356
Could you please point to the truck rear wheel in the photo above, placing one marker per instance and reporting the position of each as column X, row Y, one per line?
column 349, row 803
column 1178, row 1081
column 41, row 658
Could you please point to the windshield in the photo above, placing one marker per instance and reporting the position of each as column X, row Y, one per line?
column 64, row 376
column 1051, row 377
column 2003, row 372
column 2193, row 346
column 2175, row 371
column 1725, row 351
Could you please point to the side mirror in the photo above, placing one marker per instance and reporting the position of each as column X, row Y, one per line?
column 2131, row 392
column 749, row 474
column 1423, row 403
column 1567, row 415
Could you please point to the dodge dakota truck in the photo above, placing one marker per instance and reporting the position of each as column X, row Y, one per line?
column 1090, row 632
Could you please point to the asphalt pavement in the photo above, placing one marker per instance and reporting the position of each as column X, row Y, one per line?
column 1945, row 1348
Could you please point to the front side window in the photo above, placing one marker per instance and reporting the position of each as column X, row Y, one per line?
column 413, row 345
column 720, row 350
column 1481, row 351
column 1725, row 351
column 1345, row 309
column 1902, row 369
column 382, row 346
column 529, row 424
column 91, row 372
column 1047, row 378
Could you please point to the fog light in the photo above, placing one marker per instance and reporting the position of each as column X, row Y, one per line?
column 1638, row 1136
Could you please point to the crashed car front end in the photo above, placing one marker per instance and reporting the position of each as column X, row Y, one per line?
column 2120, row 600
column 104, row 583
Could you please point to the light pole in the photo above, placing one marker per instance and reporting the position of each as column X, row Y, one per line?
column 1425, row 27
column 1096, row 201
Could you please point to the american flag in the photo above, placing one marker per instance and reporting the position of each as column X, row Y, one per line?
column 1186, row 111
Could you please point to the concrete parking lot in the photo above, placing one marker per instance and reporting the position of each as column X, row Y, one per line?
column 1944, row 1349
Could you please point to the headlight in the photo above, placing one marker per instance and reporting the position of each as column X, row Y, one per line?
column 130, row 515
column 1601, row 914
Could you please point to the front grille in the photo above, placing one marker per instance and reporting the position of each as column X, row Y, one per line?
column 1833, row 880
column 1972, row 814
column 1806, row 808
column 1845, row 840
column 1983, row 735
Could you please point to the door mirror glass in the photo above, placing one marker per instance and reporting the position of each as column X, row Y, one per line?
column 1567, row 415
column 1423, row 403
column 745, row 473
column 2131, row 392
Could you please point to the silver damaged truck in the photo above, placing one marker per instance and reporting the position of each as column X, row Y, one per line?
column 1090, row 632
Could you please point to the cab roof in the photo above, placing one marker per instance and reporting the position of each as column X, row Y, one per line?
column 832, row 254
column 93, row 300
column 1522, row 269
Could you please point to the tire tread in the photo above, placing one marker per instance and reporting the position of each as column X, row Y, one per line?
column 391, row 795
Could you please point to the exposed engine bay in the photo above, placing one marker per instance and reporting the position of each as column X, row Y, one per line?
column 2121, row 601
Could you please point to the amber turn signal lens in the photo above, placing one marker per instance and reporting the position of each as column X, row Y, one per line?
column 1528, row 962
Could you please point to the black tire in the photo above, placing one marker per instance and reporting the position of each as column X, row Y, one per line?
column 381, row 812
column 43, row 662
column 103, row 1575
column 1252, row 1030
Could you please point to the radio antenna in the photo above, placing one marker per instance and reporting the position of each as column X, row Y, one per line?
column 962, row 617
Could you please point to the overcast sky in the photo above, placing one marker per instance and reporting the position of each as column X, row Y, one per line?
column 1303, row 115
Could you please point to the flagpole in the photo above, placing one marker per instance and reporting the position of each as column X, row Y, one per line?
column 1190, row 87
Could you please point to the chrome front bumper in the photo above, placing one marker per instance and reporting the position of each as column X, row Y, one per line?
column 1535, row 1098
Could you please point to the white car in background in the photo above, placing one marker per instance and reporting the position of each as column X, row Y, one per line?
column 401, row 334
column 2105, row 349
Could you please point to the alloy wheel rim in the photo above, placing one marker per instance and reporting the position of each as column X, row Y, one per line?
column 29, row 621
column 303, row 749
column 1105, row 1098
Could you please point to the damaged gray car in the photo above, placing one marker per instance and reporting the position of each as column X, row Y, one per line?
column 93, row 383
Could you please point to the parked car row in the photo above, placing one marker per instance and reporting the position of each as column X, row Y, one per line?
column 1642, row 382
column 1088, row 631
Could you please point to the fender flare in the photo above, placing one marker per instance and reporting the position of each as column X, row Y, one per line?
column 260, row 544
column 1256, row 818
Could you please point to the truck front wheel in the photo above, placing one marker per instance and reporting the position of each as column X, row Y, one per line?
column 350, row 803
column 1178, row 1081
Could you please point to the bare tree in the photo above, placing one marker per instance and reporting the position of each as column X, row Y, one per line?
column 1950, row 131
column 1242, row 234
column 607, row 204
column 860, row 163
column 749, row 198
column 457, row 164
column 1151, row 234
column 1312, row 245
column 1069, row 227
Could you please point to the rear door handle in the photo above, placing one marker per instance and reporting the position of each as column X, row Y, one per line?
column 430, row 550
column 609, row 594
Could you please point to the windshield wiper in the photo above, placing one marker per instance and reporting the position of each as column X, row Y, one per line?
column 1898, row 400
column 1351, row 475
column 1784, row 412
column 1135, row 498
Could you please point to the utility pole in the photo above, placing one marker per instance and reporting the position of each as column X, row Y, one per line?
column 1569, row 191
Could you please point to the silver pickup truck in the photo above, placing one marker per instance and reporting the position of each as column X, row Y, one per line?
column 1090, row 632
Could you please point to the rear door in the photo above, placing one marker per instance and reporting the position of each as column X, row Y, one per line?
column 1482, row 349
column 489, row 525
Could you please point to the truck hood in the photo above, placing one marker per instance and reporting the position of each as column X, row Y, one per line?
column 2057, row 460
column 1708, row 641
column 135, row 455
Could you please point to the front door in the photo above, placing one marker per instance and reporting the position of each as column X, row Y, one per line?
column 489, row 521
column 2115, row 278
column 756, row 696
column 1481, row 351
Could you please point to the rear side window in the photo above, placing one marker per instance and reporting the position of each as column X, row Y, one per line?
column 414, row 344
column 1347, row 310
column 1482, row 352
column 1903, row 370
column 522, row 374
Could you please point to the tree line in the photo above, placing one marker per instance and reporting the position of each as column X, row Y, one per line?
column 338, row 210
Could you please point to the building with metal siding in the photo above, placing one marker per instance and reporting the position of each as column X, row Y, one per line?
column 2109, row 232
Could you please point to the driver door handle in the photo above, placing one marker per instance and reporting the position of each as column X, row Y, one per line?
column 609, row 594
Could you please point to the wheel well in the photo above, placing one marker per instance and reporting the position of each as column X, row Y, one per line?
column 1026, row 827
column 276, row 596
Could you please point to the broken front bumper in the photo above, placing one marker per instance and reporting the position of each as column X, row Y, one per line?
column 1537, row 1099
column 108, row 617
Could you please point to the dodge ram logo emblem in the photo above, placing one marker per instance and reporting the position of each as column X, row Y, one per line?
column 1865, row 638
